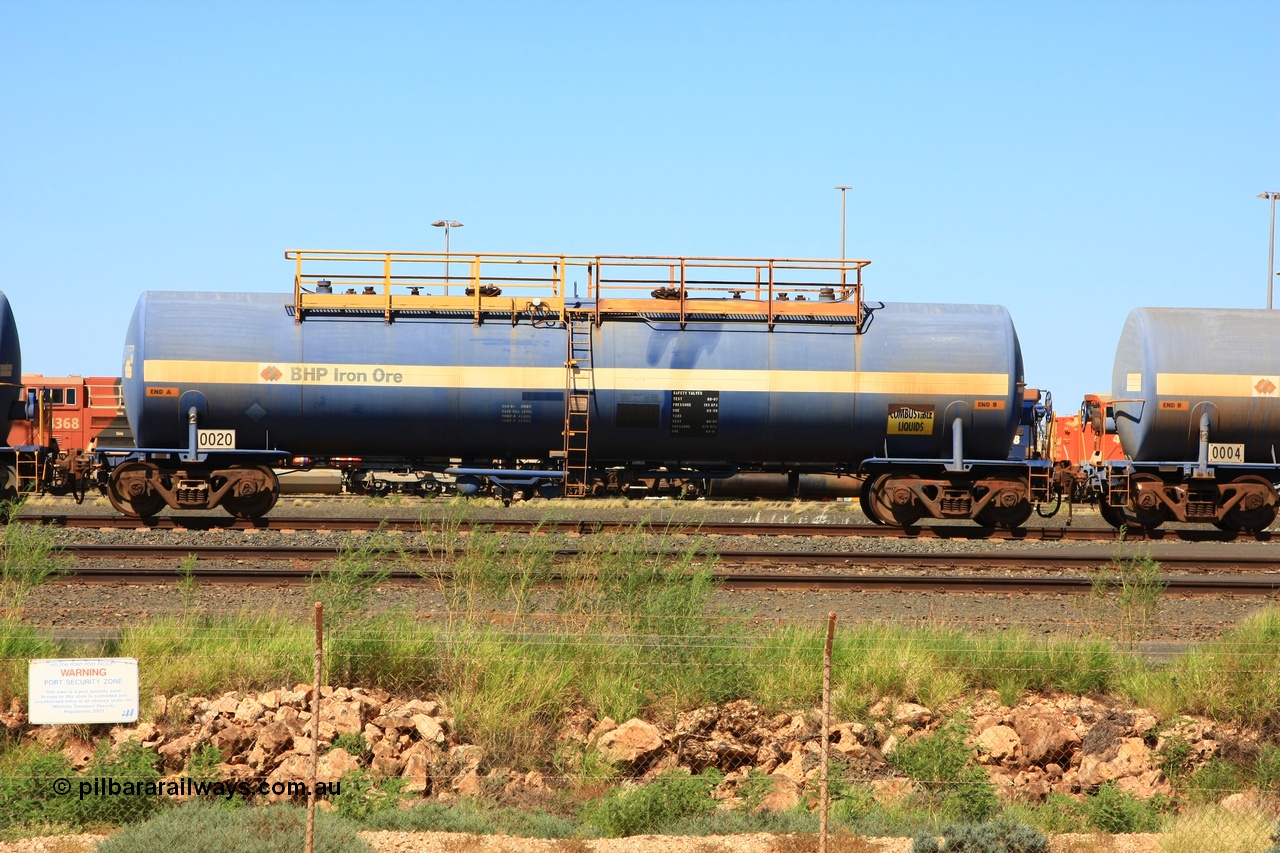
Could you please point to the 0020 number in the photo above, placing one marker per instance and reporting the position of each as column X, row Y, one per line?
column 215, row 439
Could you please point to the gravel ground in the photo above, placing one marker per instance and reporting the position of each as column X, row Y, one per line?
column 71, row 607
column 444, row 842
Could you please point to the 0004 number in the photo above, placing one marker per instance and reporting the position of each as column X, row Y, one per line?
column 1226, row 453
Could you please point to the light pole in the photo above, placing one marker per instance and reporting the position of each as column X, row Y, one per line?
column 1271, row 246
column 446, row 224
column 843, row 191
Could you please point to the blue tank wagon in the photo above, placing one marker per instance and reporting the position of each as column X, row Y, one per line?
column 725, row 365
column 1197, row 410
column 12, row 406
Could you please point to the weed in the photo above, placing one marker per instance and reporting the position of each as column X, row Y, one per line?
column 353, row 743
column 1213, row 828
column 202, row 766
column 997, row 836
column 363, row 796
column 29, row 555
column 753, row 789
column 1113, row 810
column 652, row 807
column 942, row 763
column 1174, row 755
column 18, row 644
column 1127, row 593
column 361, row 565
column 199, row 826
column 1212, row 781
column 188, row 587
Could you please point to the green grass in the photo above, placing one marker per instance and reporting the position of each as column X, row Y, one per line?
column 29, row 555
column 1232, row 679
column 211, row 655
column 631, row 634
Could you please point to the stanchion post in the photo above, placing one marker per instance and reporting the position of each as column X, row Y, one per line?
column 315, row 732
column 824, row 797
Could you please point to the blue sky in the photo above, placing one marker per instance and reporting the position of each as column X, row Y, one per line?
column 1067, row 160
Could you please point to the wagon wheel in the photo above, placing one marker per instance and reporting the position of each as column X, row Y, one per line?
column 257, row 503
column 864, row 498
column 1144, row 517
column 1006, row 518
column 1250, row 519
column 1110, row 514
column 140, row 499
column 8, row 483
column 883, row 493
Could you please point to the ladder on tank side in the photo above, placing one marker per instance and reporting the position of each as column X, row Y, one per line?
column 577, row 403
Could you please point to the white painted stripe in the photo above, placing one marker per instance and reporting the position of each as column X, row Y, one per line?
column 553, row 378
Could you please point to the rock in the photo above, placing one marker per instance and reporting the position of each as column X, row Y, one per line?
column 631, row 743
column 998, row 743
column 846, row 740
column 428, row 729
column 175, row 752
column 248, row 711
column 1129, row 758
column 274, row 738
column 415, row 770
column 230, row 739
column 469, row 783
column 723, row 752
column 344, row 716
column 78, row 752
column 386, row 766
column 417, row 706
column 783, row 795
column 334, row 764
column 697, row 723
column 1043, row 739
column 601, row 729
column 911, row 714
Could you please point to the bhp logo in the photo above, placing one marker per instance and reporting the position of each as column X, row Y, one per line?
column 271, row 374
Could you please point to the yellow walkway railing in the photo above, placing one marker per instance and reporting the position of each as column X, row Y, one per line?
column 549, row 286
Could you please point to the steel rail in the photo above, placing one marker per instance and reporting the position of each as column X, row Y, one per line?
column 1040, row 559
column 1253, row 585
column 691, row 527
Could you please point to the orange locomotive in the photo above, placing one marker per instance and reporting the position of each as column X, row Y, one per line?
column 74, row 416
column 1083, row 442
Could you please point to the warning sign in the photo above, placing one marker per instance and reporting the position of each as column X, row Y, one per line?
column 907, row 419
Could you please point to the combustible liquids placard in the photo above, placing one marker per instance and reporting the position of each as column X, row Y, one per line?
column 82, row 690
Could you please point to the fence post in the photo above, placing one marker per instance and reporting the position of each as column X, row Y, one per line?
column 315, row 732
column 824, row 802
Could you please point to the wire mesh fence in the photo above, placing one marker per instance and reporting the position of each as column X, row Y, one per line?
column 626, row 720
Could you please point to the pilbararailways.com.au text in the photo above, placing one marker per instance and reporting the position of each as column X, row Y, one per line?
column 188, row 787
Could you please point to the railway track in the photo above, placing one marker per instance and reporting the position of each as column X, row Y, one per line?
column 1249, row 585
column 736, row 569
column 588, row 527
column 1019, row 560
